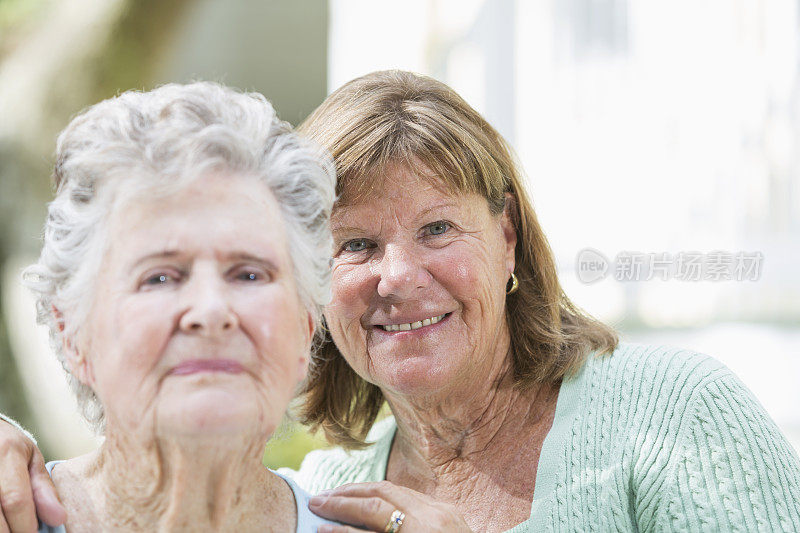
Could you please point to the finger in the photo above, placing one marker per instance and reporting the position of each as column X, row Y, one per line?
column 16, row 496
column 331, row 528
column 400, row 497
column 3, row 524
column 360, row 489
column 370, row 513
column 45, row 497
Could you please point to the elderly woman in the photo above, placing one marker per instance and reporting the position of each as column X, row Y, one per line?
column 182, row 276
column 512, row 409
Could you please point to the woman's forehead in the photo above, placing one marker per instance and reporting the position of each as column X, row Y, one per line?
column 407, row 202
column 395, row 180
column 216, row 211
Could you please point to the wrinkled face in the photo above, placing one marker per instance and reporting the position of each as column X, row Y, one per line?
column 419, row 279
column 197, row 328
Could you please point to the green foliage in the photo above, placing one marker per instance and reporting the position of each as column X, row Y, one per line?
column 290, row 444
column 143, row 32
column 13, row 12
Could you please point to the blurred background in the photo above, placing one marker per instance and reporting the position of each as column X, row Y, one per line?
column 646, row 130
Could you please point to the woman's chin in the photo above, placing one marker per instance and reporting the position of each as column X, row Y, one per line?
column 213, row 412
column 415, row 378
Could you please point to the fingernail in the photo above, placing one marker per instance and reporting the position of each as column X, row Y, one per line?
column 317, row 500
column 324, row 528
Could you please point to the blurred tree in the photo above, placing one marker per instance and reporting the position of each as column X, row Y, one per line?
column 290, row 443
column 57, row 57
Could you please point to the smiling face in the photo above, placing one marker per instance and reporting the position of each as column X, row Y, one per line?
column 196, row 328
column 418, row 282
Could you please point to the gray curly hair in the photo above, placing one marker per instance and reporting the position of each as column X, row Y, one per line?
column 146, row 142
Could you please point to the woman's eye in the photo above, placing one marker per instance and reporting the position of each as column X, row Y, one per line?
column 248, row 276
column 159, row 279
column 437, row 228
column 356, row 245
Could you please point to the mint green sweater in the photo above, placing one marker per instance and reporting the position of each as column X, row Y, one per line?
column 647, row 439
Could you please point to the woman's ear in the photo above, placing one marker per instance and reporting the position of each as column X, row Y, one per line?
column 508, row 223
column 75, row 360
column 302, row 364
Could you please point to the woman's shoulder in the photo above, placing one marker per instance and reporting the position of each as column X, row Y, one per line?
column 44, row 528
column 306, row 520
column 655, row 355
column 648, row 382
column 329, row 468
column 645, row 365
column 695, row 436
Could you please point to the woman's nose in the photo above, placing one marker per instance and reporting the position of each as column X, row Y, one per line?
column 402, row 274
column 208, row 310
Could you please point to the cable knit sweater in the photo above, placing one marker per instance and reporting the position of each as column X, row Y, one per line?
column 647, row 439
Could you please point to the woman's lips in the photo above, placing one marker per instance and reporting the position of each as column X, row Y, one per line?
column 194, row 366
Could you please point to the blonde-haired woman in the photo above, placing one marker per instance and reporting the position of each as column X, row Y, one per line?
column 512, row 407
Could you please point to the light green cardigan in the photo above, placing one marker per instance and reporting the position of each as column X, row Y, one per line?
column 647, row 439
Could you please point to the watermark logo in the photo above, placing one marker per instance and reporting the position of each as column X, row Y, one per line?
column 592, row 266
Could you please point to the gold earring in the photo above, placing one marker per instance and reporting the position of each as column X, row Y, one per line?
column 514, row 284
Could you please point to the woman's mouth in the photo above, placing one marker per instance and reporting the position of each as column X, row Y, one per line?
column 193, row 366
column 413, row 325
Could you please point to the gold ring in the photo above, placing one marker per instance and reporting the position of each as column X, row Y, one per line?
column 394, row 523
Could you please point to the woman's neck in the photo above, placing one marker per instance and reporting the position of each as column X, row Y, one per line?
column 214, row 484
column 469, row 427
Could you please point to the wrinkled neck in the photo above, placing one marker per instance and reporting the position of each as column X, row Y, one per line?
column 468, row 427
column 208, row 484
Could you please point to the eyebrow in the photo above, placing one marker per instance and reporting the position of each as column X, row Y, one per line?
column 232, row 256
column 164, row 254
column 246, row 256
column 442, row 205
column 355, row 229
column 346, row 229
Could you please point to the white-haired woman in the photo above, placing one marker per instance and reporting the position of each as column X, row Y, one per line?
column 182, row 274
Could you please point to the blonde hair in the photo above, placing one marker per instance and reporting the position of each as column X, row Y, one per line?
column 392, row 117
